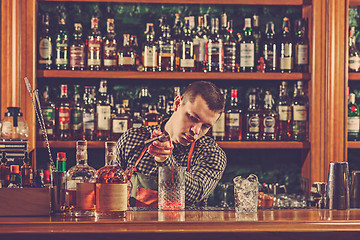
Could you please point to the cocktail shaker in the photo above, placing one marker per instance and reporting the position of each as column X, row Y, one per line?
column 355, row 189
column 338, row 186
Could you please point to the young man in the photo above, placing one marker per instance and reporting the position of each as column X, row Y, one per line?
column 195, row 112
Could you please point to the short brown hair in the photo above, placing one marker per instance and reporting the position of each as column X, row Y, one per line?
column 208, row 91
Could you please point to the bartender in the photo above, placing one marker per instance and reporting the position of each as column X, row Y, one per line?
column 195, row 112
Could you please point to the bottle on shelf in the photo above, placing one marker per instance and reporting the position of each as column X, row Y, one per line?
column 137, row 120
column 126, row 55
column 94, row 46
column 284, row 111
column 135, row 48
column 233, row 119
column 111, row 187
column 270, row 49
column 218, row 129
column 45, row 53
column 257, row 35
column 80, row 187
column 48, row 110
column 353, row 119
column 4, row 171
column 229, row 47
column 161, row 105
column 38, row 179
column 247, row 49
column 61, row 44
column 61, row 162
column 299, row 114
column 76, row 115
column 63, row 115
column 77, row 49
column 110, row 46
column 214, row 57
column 166, row 46
column 252, row 118
column 354, row 54
column 103, row 113
column 152, row 117
column 187, row 60
column 286, row 48
column 269, row 120
column 88, row 120
column 149, row 49
column 27, row 172
column 301, row 45
column 177, row 34
column 15, row 177
column 120, row 122
column 200, row 39
column 143, row 101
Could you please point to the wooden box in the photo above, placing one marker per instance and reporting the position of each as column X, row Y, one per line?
column 24, row 201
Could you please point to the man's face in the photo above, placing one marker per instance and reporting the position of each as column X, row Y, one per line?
column 190, row 121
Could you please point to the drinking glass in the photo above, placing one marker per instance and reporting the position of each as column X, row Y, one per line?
column 171, row 188
column 246, row 193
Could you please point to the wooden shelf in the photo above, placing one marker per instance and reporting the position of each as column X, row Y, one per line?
column 171, row 75
column 207, row 2
column 353, row 145
column 354, row 2
column 354, row 76
column 225, row 145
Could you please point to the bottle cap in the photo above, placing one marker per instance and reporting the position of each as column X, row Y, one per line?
column 61, row 156
column 14, row 169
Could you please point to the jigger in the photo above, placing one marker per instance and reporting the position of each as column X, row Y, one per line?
column 338, row 186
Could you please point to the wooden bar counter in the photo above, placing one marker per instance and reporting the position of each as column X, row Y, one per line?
column 209, row 224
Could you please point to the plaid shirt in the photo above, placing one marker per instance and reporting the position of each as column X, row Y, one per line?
column 207, row 164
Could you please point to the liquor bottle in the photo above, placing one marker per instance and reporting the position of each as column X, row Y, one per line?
column 103, row 113
column 269, row 120
column 38, row 179
column 301, row 56
column 48, row 109
column 45, row 54
column 284, row 110
column 187, row 59
column 137, row 120
column 46, row 177
column 61, row 44
column 94, row 46
column 177, row 34
column 299, row 116
column 161, row 105
column 27, row 172
column 110, row 46
column 354, row 54
column 166, row 46
column 111, row 186
column 61, row 162
column 76, row 115
column 120, row 122
column 218, row 129
column 88, row 116
column 152, row 117
column 200, row 39
column 270, row 49
column 135, row 48
column 247, row 49
column 252, row 118
column 214, row 57
column 77, row 49
column 149, row 49
column 229, row 48
column 353, row 119
column 4, row 171
column 63, row 115
column 286, row 48
column 257, row 36
column 80, row 188
column 233, row 119
column 15, row 177
column 144, row 101
column 126, row 55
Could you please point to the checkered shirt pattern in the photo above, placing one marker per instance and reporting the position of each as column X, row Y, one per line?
column 207, row 164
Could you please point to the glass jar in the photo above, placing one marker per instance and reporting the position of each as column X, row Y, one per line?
column 13, row 126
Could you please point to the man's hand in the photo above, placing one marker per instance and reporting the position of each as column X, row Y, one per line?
column 160, row 150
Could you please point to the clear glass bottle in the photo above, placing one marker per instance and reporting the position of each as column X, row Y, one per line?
column 286, row 48
column 353, row 119
column 111, row 187
column 200, row 40
column 77, row 49
column 166, row 54
column 103, row 113
column 257, row 35
column 80, row 187
column 233, row 119
column 149, row 49
column 45, row 53
column 252, row 118
column 354, row 54
column 126, row 55
column 269, row 120
column 13, row 126
column 120, row 122
column 88, row 115
column 61, row 44
column 94, row 46
column 301, row 42
column 214, row 49
column 284, row 111
column 63, row 115
column 247, row 49
column 76, row 115
column 270, row 48
column 299, row 116
column 187, row 61
column 110, row 45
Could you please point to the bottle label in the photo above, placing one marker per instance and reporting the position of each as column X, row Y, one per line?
column 286, row 60
column 150, row 56
column 353, row 124
column 64, row 118
column 111, row 197
column 110, row 50
column 48, row 114
column 218, row 130
column 137, row 125
column 229, row 54
column 254, row 124
column 201, row 55
column 214, row 49
column 126, row 61
column 120, row 125
column 302, row 54
column 300, row 113
column 76, row 119
column 103, row 117
column 77, row 56
column 62, row 57
column 89, row 121
column 45, row 48
column 166, row 50
column 190, row 63
column 284, row 113
column 247, row 55
column 354, row 63
column 85, row 196
column 109, row 62
column 269, row 124
column 94, row 50
column 233, row 120
column 270, row 55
